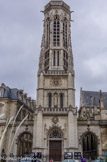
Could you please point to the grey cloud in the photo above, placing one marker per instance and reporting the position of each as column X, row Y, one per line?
column 21, row 27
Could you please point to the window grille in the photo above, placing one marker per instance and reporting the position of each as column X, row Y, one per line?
column 55, row 134
column 56, row 32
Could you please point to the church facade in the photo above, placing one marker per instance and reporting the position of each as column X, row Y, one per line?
column 52, row 126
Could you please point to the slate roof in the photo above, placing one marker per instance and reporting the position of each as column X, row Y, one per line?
column 89, row 96
column 10, row 93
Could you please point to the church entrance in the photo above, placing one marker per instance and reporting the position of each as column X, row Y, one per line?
column 55, row 149
column 90, row 146
column 55, row 145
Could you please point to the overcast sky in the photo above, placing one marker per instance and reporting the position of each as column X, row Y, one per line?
column 21, row 28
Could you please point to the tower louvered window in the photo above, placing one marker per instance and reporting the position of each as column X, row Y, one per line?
column 48, row 33
column 65, row 33
column 50, row 100
column 65, row 60
column 56, row 31
column 56, row 58
column 46, row 61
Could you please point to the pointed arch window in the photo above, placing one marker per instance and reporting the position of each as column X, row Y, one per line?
column 65, row 33
column 56, row 31
column 25, row 143
column 50, row 100
column 48, row 33
column 90, row 146
column 56, row 58
column 61, row 100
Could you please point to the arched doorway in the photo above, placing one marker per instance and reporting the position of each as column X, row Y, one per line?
column 55, row 145
column 89, row 146
column 24, row 143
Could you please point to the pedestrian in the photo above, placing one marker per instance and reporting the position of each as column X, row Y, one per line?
column 3, row 156
column 83, row 159
column 51, row 160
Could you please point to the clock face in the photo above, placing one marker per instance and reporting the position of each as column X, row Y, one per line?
column 55, row 82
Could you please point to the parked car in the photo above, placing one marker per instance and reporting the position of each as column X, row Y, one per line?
column 70, row 160
column 28, row 159
column 99, row 160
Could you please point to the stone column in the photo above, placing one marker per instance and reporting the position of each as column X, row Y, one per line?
column 38, row 132
column 72, row 131
column 40, row 90
column 34, row 131
column 71, row 91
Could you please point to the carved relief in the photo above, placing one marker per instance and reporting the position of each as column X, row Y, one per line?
column 55, row 82
column 55, row 120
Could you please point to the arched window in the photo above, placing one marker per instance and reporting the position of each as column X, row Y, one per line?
column 50, row 100
column 48, row 32
column 55, row 134
column 61, row 100
column 65, row 33
column 25, row 144
column 90, row 146
column 56, row 31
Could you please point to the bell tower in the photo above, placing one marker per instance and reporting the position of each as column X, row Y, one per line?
column 56, row 73
column 55, row 109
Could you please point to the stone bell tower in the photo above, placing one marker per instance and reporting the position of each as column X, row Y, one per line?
column 55, row 116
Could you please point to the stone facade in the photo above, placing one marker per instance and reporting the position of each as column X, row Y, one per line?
column 52, row 126
column 56, row 91
column 93, row 119
column 11, row 100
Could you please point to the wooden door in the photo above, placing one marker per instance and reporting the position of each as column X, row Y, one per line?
column 55, row 150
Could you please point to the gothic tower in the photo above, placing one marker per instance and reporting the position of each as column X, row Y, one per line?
column 55, row 123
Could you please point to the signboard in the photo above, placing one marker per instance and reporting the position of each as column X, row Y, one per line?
column 68, row 155
column 77, row 155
